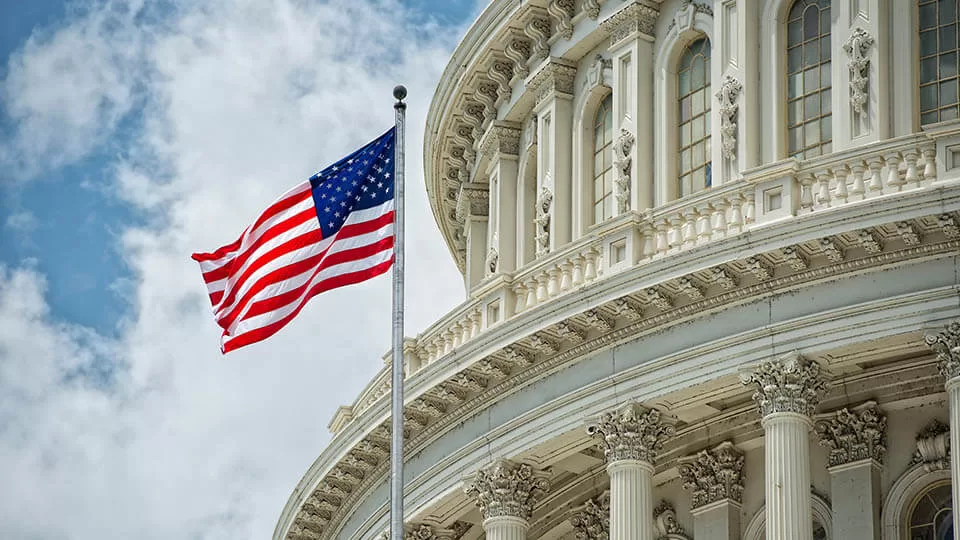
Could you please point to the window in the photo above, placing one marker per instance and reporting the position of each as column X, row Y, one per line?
column 931, row 517
column 603, row 161
column 809, row 122
column 693, row 93
column 938, row 60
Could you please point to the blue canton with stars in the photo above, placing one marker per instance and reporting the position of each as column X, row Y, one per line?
column 362, row 180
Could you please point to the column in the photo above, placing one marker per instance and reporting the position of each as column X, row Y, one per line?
column 631, row 437
column 473, row 205
column 788, row 390
column 946, row 345
column 501, row 146
column 715, row 479
column 506, row 493
column 553, row 86
column 631, row 32
column 856, row 441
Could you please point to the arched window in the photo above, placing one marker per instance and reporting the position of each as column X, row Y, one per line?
column 809, row 123
column 603, row 161
column 693, row 93
column 938, row 60
column 931, row 517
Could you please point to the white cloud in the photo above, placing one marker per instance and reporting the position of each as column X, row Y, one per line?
column 240, row 99
column 22, row 221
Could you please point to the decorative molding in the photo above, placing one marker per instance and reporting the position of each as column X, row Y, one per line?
column 501, row 138
column 933, row 447
column 518, row 52
column 854, row 434
column 426, row 532
column 869, row 242
column 591, row 521
column 665, row 520
column 832, row 250
column 554, row 76
column 908, row 233
column 591, row 8
column 729, row 109
column 759, row 268
column 542, row 220
column 713, row 475
column 505, row 488
column 635, row 17
column 473, row 200
column 600, row 73
column 492, row 263
column 631, row 432
column 500, row 71
column 946, row 345
column 621, row 161
column 561, row 11
column 790, row 383
column 857, row 46
column 724, row 279
column 793, row 257
column 683, row 18
column 538, row 30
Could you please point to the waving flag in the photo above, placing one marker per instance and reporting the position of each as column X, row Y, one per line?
column 333, row 230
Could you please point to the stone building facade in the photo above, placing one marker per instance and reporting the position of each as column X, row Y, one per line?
column 710, row 253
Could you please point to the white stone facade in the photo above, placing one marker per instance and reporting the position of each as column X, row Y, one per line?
column 772, row 354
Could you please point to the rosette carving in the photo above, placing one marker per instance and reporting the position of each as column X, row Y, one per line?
column 787, row 384
column 631, row 432
column 505, row 488
column 853, row 435
column 713, row 475
column 946, row 345
column 592, row 520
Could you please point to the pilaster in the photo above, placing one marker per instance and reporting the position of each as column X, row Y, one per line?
column 946, row 345
column 506, row 493
column 856, row 439
column 788, row 390
column 592, row 520
column 473, row 206
column 715, row 479
column 501, row 145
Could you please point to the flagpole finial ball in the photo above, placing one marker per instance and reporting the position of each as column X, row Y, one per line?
column 400, row 92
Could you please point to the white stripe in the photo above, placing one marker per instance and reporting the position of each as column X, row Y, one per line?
column 259, row 321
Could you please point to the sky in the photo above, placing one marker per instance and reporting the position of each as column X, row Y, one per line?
column 132, row 134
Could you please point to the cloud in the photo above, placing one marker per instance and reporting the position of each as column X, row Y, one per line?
column 153, row 434
column 22, row 221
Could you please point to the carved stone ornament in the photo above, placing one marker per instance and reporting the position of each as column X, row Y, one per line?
column 592, row 520
column 713, row 475
column 621, row 161
column 946, row 345
column 473, row 200
column 635, row 17
column 542, row 220
column 857, row 46
column 426, row 532
column 505, row 488
column 854, row 435
column 729, row 109
column 553, row 77
column 502, row 138
column 933, row 447
column 561, row 11
column 790, row 383
column 591, row 8
column 600, row 73
column 631, row 432
column 665, row 520
column 683, row 18
column 493, row 261
column 518, row 51
column 538, row 30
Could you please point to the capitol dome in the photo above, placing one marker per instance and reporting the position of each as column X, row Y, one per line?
column 710, row 251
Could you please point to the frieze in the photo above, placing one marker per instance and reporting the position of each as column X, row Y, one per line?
column 502, row 138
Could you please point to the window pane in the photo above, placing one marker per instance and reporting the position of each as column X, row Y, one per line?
column 699, row 179
column 698, row 128
column 826, row 129
column 697, row 100
column 929, row 118
column 795, row 85
column 685, row 109
column 825, row 74
column 811, row 79
column 796, row 138
column 948, row 65
column 706, row 126
column 928, row 69
column 597, row 189
column 928, row 97
column 928, row 16
column 825, row 48
column 948, row 36
column 696, row 80
column 826, row 107
column 948, row 114
column 947, row 10
column 811, row 133
column 685, row 135
column 811, row 54
column 812, row 152
column 697, row 159
column 824, row 19
column 793, row 59
column 811, row 23
column 684, row 82
column 811, row 106
column 685, row 161
column 928, row 43
column 597, row 163
column 794, row 112
column 948, row 92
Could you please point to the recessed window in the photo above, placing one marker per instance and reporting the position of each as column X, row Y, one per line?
column 493, row 313
column 603, row 161
column 932, row 514
column 809, row 110
column 693, row 93
column 772, row 199
column 938, row 60
column 618, row 250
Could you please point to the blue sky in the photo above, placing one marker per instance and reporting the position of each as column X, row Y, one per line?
column 132, row 133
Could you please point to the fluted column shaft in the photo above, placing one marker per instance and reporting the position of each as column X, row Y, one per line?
column 787, row 470
column 505, row 528
column 953, row 396
column 631, row 500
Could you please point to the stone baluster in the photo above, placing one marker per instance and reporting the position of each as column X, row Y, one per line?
column 823, row 188
column 875, row 164
column 663, row 240
column 457, row 334
column 840, row 178
column 506, row 493
column 946, row 345
column 704, row 230
column 929, row 162
column 565, row 278
column 735, row 225
column 893, row 170
column 520, row 291
column 857, row 188
column 715, row 478
column 542, row 294
column 749, row 207
column 577, row 274
column 912, row 176
column 532, row 286
column 720, row 217
column 788, row 389
column 806, row 191
column 475, row 324
column 675, row 231
column 590, row 273
column 553, row 282
column 631, row 437
column 856, row 440
column 689, row 228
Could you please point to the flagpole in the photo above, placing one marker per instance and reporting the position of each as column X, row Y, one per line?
column 396, row 443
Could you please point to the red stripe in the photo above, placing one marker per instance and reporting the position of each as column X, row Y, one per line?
column 333, row 282
column 348, row 231
column 220, row 252
column 267, row 305
column 215, row 298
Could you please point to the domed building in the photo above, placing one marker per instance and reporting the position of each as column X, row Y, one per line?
column 710, row 252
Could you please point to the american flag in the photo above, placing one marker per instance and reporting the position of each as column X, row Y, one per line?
column 333, row 230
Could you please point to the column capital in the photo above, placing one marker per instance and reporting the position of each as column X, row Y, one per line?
column 637, row 17
column 426, row 532
column 854, row 434
column 946, row 345
column 554, row 77
column 713, row 475
column 790, row 384
column 507, row 489
column 501, row 138
column 631, row 432
column 592, row 519
column 473, row 200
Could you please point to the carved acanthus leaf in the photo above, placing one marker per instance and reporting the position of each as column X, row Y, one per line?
column 665, row 518
column 592, row 520
column 790, row 383
column 561, row 11
column 631, row 432
column 635, row 17
column 946, row 345
column 713, row 475
column 505, row 488
column 854, row 435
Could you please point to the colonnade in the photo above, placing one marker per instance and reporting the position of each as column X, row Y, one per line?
column 787, row 391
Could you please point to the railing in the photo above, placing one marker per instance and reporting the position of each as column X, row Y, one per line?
column 781, row 190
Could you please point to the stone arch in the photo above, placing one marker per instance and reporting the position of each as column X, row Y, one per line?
column 820, row 513
column 598, row 86
column 902, row 495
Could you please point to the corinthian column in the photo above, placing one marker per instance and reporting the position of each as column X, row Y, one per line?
column 715, row 478
column 788, row 390
column 631, row 437
column 947, row 346
column 506, row 493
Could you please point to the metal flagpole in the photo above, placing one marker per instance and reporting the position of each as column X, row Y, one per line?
column 396, row 442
